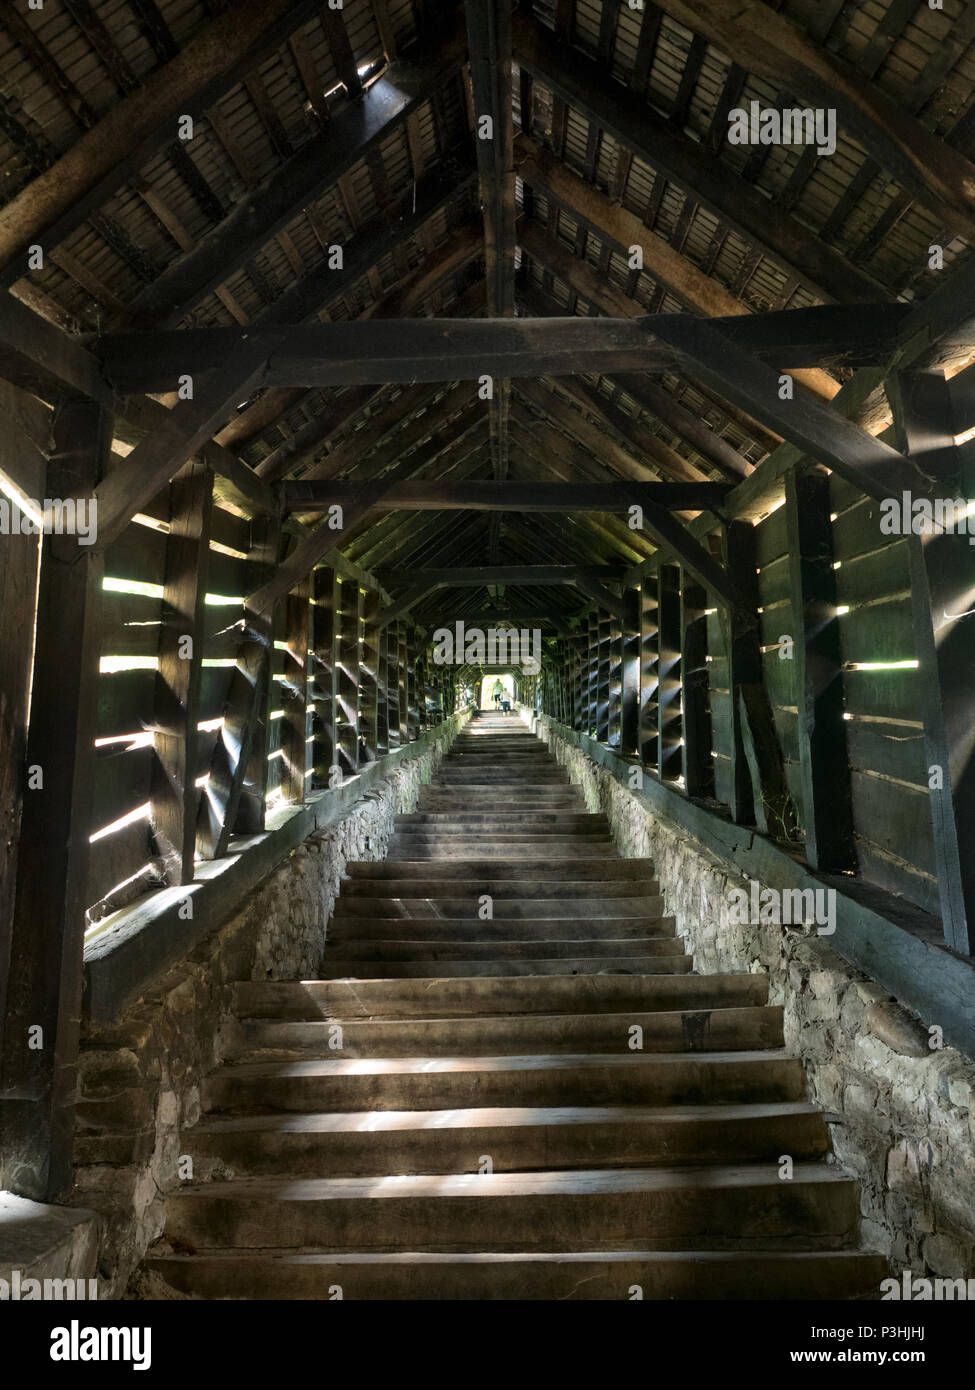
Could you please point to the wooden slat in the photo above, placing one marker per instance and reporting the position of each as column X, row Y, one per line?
column 175, row 796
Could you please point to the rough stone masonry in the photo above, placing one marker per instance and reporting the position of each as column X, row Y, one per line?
column 902, row 1115
column 140, row 1076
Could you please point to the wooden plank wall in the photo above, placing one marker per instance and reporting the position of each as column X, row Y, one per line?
column 894, row 839
column 885, row 730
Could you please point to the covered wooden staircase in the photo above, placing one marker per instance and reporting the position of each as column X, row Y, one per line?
column 509, row 1085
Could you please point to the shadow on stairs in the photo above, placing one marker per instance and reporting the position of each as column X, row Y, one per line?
column 510, row 1085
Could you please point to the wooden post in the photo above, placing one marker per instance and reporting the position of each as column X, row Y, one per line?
column 233, row 801
column 46, row 963
column 294, row 693
column 264, row 557
column 323, row 674
column 403, row 683
column 174, row 794
column 698, row 766
column 412, row 690
column 386, row 716
column 942, row 584
column 740, row 630
column 827, row 811
column 649, row 739
column 19, row 558
column 369, row 669
column 630, row 675
column 669, row 673
column 347, row 684
column 604, row 639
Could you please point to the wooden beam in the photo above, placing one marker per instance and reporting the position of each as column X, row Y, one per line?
column 818, row 430
column 61, row 198
column 235, row 484
column 379, row 351
column 857, row 341
column 20, row 557
column 770, row 45
column 39, row 1079
column 280, row 197
column 173, row 792
column 686, row 424
column 942, row 598
column 323, row 674
column 244, row 716
column 669, row 674
column 827, row 813
column 510, row 496
column 688, row 163
column 187, row 427
column 489, row 44
column 404, row 602
column 294, row 693
column 501, row 574
column 44, row 360
column 696, row 762
column 622, row 458
column 605, row 598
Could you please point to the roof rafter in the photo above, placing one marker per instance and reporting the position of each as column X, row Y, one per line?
column 690, row 165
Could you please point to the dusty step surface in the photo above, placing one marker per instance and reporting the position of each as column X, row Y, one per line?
column 614, row 904
column 659, row 1208
column 461, row 929
column 517, row 1139
column 633, row 1113
column 445, row 998
column 705, row 1031
column 589, row 1275
column 422, row 1083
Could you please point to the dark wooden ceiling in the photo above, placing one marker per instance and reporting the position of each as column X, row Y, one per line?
column 356, row 127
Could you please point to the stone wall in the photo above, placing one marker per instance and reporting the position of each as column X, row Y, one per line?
column 902, row 1113
column 140, row 1076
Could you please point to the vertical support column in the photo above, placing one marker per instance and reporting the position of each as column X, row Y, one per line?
column 323, row 674
column 697, row 764
column 649, row 737
column 403, row 682
column 19, row 560
column 347, row 684
column 174, row 794
column 669, row 673
column 420, row 678
column 294, row 693
column 827, row 810
column 615, row 680
column 740, row 629
column 604, row 643
column 412, row 688
column 941, row 595
column 383, row 686
column 258, row 651
column 368, row 674
column 592, row 669
column 40, row 1057
column 630, row 674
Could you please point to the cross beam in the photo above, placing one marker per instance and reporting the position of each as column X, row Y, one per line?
column 502, row 497
column 379, row 351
